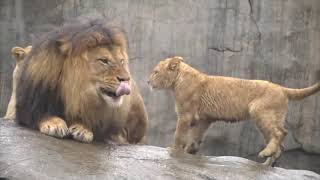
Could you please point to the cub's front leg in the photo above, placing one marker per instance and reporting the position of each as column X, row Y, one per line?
column 181, row 133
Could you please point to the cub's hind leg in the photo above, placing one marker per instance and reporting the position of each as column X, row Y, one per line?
column 273, row 131
column 269, row 115
column 53, row 126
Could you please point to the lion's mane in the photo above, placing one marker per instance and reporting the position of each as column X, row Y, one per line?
column 54, row 78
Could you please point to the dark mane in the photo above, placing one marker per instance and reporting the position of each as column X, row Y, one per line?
column 74, row 38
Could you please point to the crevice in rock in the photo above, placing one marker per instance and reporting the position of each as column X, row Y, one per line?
column 135, row 58
column 254, row 19
column 224, row 49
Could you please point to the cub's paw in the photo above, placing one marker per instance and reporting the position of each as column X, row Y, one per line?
column 270, row 151
column 54, row 126
column 267, row 152
column 81, row 133
column 270, row 161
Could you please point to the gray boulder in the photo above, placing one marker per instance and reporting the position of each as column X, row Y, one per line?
column 28, row 154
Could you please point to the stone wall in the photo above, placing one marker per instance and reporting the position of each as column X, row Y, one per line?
column 276, row 40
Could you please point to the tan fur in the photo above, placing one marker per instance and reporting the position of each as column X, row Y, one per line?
column 202, row 99
column 53, row 126
column 85, row 97
column 18, row 54
column 78, row 65
column 81, row 133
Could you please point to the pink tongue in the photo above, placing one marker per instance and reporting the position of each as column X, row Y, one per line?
column 124, row 88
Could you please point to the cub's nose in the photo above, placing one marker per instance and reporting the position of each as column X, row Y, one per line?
column 123, row 78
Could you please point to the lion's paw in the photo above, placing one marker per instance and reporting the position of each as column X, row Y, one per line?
column 81, row 133
column 54, row 126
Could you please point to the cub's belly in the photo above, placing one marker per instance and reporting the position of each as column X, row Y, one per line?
column 228, row 114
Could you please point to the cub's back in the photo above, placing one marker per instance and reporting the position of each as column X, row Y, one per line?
column 228, row 97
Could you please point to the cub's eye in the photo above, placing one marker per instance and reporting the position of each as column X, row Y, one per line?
column 104, row 61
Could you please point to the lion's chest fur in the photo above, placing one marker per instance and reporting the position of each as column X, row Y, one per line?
column 107, row 119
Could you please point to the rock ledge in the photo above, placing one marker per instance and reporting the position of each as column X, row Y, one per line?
column 27, row 154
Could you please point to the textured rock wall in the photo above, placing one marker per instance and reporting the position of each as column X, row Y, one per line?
column 276, row 40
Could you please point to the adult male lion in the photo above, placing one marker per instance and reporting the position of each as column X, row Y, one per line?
column 18, row 53
column 202, row 99
column 76, row 81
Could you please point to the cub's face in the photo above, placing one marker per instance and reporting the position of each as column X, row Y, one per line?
column 109, row 70
column 165, row 73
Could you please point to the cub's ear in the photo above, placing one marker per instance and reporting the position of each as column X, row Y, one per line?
column 20, row 53
column 174, row 63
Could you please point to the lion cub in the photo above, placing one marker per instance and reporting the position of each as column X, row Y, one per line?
column 202, row 99
column 18, row 53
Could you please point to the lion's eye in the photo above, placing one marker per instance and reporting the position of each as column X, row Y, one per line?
column 155, row 72
column 122, row 61
column 104, row 61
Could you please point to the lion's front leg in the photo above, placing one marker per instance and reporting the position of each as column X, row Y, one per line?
column 53, row 126
column 81, row 133
column 136, row 124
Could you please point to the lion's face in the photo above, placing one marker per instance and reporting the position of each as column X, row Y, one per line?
column 109, row 72
column 165, row 73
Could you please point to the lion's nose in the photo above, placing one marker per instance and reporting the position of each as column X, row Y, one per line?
column 123, row 78
column 148, row 82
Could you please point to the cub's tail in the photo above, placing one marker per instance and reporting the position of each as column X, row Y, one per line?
column 298, row 94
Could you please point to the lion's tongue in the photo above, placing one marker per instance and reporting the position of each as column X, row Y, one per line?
column 124, row 88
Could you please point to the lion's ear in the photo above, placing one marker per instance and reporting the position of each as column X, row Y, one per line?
column 18, row 53
column 174, row 63
column 64, row 46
